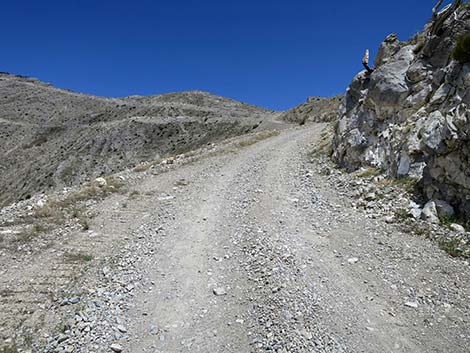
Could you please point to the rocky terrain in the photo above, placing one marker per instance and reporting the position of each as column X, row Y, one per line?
column 315, row 109
column 53, row 138
column 188, row 222
column 212, row 251
column 410, row 116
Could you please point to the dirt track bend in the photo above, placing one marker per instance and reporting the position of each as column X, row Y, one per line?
column 260, row 225
column 254, row 250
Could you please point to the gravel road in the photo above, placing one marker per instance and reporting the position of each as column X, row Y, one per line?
column 256, row 250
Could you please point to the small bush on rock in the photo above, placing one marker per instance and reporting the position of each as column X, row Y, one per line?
column 461, row 52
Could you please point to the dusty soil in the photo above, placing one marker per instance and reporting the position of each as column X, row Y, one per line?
column 251, row 248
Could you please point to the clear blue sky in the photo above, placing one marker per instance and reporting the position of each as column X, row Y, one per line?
column 270, row 53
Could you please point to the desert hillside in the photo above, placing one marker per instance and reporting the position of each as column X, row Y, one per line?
column 52, row 137
column 189, row 222
column 315, row 109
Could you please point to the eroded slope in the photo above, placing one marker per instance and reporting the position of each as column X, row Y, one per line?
column 54, row 138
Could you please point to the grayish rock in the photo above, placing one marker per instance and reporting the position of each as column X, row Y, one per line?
column 430, row 212
column 100, row 182
column 444, row 209
column 411, row 304
column 410, row 116
column 457, row 228
column 390, row 46
column 116, row 348
column 414, row 210
column 121, row 328
column 218, row 291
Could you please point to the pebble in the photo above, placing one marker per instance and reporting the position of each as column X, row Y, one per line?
column 74, row 300
column 121, row 328
column 389, row 219
column 116, row 348
column 457, row 228
column 370, row 196
column 219, row 291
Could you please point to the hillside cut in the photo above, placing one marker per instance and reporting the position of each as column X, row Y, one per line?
column 410, row 116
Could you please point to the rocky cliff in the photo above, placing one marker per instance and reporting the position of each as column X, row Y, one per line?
column 410, row 116
column 50, row 137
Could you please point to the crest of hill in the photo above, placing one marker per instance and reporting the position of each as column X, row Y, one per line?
column 315, row 109
column 198, row 99
column 51, row 137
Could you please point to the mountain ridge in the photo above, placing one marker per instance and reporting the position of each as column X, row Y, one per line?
column 53, row 137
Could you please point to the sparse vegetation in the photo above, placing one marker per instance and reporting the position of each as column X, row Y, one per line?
column 6, row 292
column 84, row 223
column 59, row 211
column 419, row 40
column 61, row 327
column 31, row 232
column 452, row 247
column 461, row 52
column 55, row 209
column 52, row 211
column 448, row 220
column 133, row 194
column 9, row 349
column 142, row 167
column 80, row 214
column 369, row 172
column 402, row 213
column 181, row 182
column 407, row 183
column 28, row 340
column 421, row 230
column 419, row 46
column 315, row 109
column 78, row 257
column 257, row 138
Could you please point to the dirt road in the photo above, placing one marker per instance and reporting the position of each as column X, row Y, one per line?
column 255, row 250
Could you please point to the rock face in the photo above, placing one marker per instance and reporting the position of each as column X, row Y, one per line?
column 411, row 115
column 51, row 137
column 315, row 109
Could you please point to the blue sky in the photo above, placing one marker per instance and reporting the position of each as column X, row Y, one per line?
column 268, row 53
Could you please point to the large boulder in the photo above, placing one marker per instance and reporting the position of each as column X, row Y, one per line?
column 387, row 50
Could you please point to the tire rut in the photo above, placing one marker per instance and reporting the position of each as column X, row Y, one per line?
column 250, row 251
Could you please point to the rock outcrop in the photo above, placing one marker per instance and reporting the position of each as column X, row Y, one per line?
column 411, row 115
column 315, row 109
column 50, row 137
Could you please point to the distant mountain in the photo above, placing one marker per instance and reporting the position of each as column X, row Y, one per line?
column 50, row 137
column 315, row 109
